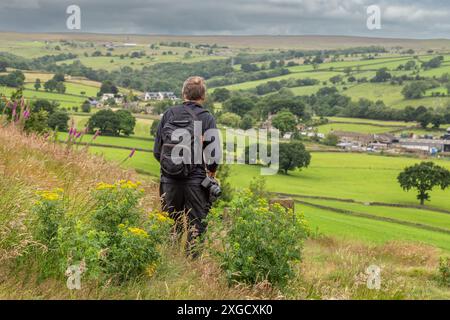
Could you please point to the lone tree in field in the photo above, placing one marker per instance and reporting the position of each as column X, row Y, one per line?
column 293, row 156
column 424, row 177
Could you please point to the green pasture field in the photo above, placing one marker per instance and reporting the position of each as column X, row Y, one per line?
column 126, row 142
column 362, row 177
column 373, row 122
column 368, row 230
column 361, row 128
column 65, row 100
column 142, row 128
column 412, row 215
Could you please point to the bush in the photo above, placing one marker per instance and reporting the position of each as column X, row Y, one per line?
column 260, row 242
column 113, row 240
column 444, row 271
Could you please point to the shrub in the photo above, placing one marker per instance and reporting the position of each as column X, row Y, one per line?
column 444, row 271
column 49, row 211
column 260, row 242
column 112, row 240
column 116, row 204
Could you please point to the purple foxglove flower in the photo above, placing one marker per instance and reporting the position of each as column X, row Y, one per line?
column 132, row 153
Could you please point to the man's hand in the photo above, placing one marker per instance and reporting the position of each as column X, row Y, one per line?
column 211, row 174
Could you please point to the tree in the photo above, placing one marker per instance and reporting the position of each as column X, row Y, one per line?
column 107, row 87
column 106, row 121
column 43, row 104
column 50, row 85
column 331, row 140
column 293, row 156
column 247, row 122
column 382, row 75
column 37, row 84
column 414, row 90
column 3, row 66
column 59, row 121
column 60, row 88
column 154, row 127
column 285, row 121
column 230, row 119
column 86, row 107
column 15, row 79
column 37, row 122
column 336, row 79
column 424, row 177
column 221, row 94
column 127, row 122
column 425, row 119
column 59, row 77
column 239, row 105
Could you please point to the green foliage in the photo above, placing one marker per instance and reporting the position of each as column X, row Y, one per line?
column 112, row 240
column 415, row 90
column 424, row 177
column 37, row 122
column 112, row 123
column 154, row 127
column 37, row 84
column 259, row 242
column 444, row 271
column 230, row 119
column 86, row 107
column 127, row 122
column 221, row 94
column 247, row 122
column 59, row 121
column 223, row 175
column 49, row 211
column 331, row 140
column 116, row 204
column 239, row 105
column 284, row 121
column 293, row 156
column 15, row 79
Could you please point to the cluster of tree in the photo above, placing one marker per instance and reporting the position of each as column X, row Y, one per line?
column 436, row 62
column 15, row 79
column 292, row 156
column 295, row 54
column 112, row 123
column 149, row 78
column 239, row 77
column 328, row 102
column 417, row 89
column 44, row 116
column 54, row 84
column 273, row 86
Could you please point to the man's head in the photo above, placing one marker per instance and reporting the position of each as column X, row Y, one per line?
column 194, row 89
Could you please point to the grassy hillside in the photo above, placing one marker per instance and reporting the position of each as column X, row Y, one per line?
column 331, row 268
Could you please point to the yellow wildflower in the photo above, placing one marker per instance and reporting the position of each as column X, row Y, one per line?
column 104, row 186
column 138, row 232
column 49, row 195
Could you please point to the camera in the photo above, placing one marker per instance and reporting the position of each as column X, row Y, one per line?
column 212, row 185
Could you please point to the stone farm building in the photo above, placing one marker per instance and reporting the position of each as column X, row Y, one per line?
column 158, row 96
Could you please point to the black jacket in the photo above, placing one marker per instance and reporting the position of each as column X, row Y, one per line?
column 208, row 122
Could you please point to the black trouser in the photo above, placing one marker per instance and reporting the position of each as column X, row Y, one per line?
column 186, row 204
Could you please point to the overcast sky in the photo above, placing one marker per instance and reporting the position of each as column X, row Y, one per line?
column 400, row 18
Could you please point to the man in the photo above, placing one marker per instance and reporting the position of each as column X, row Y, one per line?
column 182, row 194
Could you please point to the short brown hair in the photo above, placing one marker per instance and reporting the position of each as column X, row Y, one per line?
column 194, row 89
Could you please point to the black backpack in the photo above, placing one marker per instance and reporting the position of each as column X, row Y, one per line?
column 175, row 167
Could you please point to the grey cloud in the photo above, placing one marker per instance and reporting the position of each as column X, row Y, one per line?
column 400, row 18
